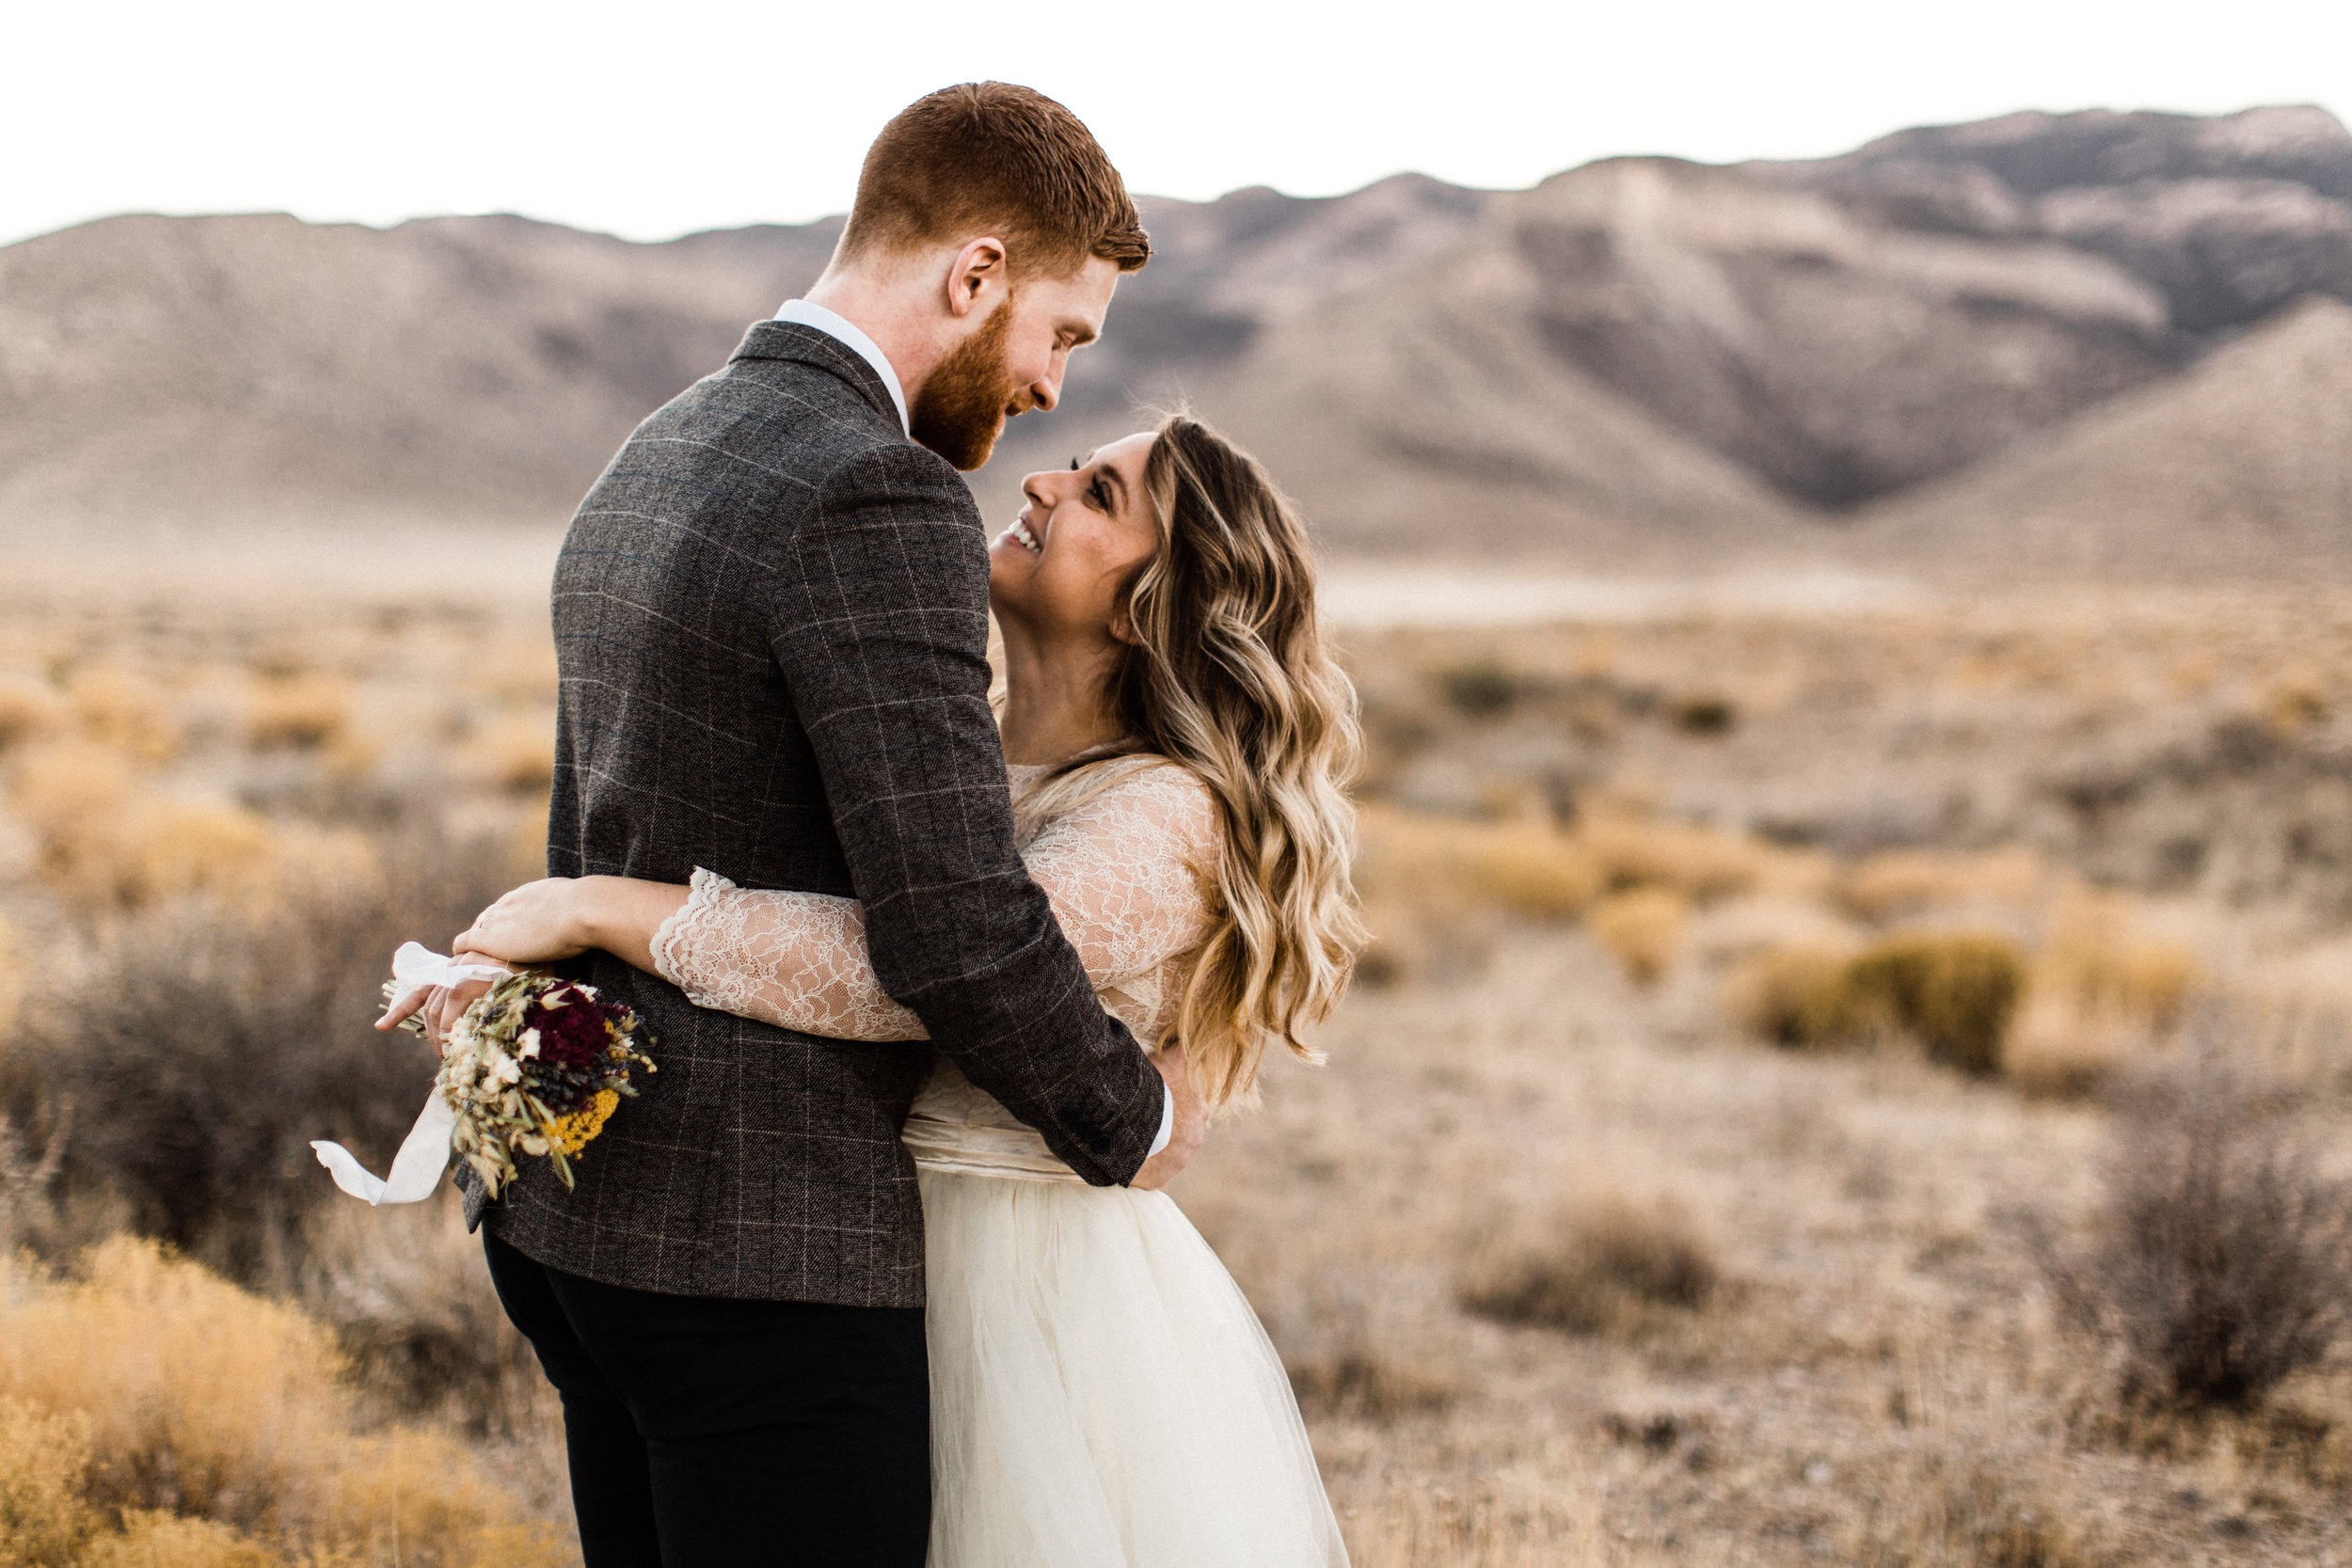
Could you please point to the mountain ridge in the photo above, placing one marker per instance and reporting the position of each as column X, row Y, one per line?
column 1638, row 359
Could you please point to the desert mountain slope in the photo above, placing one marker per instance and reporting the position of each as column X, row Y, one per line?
column 260, row 367
column 2230, row 217
column 2245, row 462
column 1641, row 356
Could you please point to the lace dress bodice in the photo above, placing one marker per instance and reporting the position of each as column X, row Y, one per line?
column 1123, row 872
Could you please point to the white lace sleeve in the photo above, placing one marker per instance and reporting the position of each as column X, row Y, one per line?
column 797, row 959
column 1119, row 870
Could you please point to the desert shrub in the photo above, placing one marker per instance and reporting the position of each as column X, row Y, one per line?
column 1964, row 1504
column 1594, row 1266
column 27, row 709
column 2055, row 1052
column 156, row 1540
column 1956, row 993
column 411, row 1303
column 1432, row 886
column 1643, row 928
column 1371, row 1385
column 517, row 671
column 2297, row 705
column 70, row 794
column 1706, row 713
column 302, row 712
column 119, row 710
column 43, row 1519
column 1417, row 1524
column 106, row 841
column 1633, row 850
column 2223, row 1260
column 1897, row 882
column 2100, row 962
column 15, row 975
column 516, row 755
column 1797, row 996
column 205, row 1044
column 192, row 1400
column 1480, row 688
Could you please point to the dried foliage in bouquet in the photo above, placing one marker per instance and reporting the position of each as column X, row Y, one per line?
column 535, row 1066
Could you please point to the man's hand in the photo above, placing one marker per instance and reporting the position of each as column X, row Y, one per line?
column 1192, row 1123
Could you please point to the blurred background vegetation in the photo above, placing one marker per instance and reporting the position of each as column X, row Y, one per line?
column 1863, row 1083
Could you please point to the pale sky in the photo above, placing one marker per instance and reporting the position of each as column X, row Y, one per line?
column 651, row 120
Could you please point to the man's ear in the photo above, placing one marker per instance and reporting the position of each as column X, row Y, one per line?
column 976, row 276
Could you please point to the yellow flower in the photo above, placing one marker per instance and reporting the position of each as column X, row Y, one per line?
column 573, row 1132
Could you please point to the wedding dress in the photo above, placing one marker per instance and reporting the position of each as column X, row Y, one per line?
column 1101, row 1394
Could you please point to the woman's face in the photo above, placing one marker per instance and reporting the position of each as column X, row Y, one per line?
column 1085, row 530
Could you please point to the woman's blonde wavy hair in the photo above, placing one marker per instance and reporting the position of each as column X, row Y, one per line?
column 1229, row 677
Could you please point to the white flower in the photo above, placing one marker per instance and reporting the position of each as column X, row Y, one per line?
column 506, row 1069
column 529, row 1044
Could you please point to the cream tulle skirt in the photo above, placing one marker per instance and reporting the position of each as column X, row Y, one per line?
column 1102, row 1395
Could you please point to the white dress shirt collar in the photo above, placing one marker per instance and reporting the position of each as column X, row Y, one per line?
column 802, row 313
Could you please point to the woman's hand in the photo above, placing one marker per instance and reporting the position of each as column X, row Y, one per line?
column 537, row 923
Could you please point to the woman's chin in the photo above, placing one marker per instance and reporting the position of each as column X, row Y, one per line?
column 1008, row 558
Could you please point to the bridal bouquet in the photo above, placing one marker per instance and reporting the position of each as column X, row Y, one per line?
column 535, row 1066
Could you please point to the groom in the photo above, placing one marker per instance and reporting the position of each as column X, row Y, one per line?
column 771, row 617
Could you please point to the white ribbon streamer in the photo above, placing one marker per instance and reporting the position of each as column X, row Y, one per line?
column 424, row 1152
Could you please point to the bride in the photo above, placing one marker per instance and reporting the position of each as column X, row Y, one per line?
column 1177, row 735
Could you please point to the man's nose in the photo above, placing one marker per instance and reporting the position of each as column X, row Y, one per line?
column 1046, row 389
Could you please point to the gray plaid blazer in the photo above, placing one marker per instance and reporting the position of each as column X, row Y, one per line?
column 770, row 623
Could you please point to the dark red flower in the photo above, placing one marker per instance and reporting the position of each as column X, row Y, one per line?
column 571, row 1034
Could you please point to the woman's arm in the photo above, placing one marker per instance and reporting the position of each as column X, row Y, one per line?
column 565, row 916
column 1117, row 869
column 797, row 959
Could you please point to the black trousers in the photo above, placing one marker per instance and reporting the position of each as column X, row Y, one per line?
column 705, row 1433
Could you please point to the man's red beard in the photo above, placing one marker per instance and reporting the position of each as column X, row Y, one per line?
column 957, row 412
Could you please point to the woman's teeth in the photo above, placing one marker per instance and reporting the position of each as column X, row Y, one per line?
column 1028, row 541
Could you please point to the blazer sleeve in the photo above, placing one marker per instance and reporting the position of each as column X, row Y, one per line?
column 880, row 627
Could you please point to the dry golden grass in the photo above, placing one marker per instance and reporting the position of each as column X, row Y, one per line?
column 1795, row 996
column 1955, row 993
column 154, row 1540
column 1902, row 882
column 169, row 1391
column 106, row 840
column 45, row 1520
column 516, row 755
column 2055, row 1051
column 2101, row 960
column 1644, row 928
column 302, row 712
column 1855, row 1201
column 1483, row 1526
column 1635, row 850
column 1601, row 1262
column 28, row 709
column 117, row 708
column 15, row 975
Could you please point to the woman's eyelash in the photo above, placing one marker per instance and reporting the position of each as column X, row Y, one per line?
column 1074, row 464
